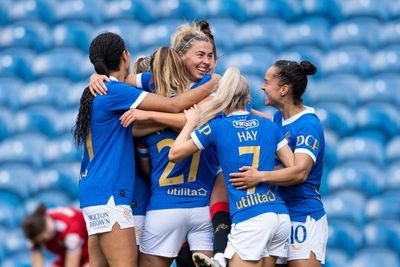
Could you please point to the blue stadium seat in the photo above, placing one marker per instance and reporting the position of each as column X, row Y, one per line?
column 129, row 30
column 360, row 31
column 46, row 91
column 6, row 124
column 392, row 150
column 287, row 10
column 360, row 176
column 69, row 97
column 20, row 259
column 61, row 149
column 380, row 90
column 331, row 144
column 23, row 148
column 359, row 8
column 309, row 31
column 121, row 9
column 194, row 10
column 392, row 177
column 14, row 178
column 62, row 62
column 39, row 119
column 393, row 9
column 51, row 198
column 84, row 10
column 389, row 33
column 327, row 8
column 11, row 211
column 383, row 233
column 248, row 60
column 16, row 62
column 386, row 60
column 52, row 179
column 225, row 34
column 23, row 9
column 337, row 206
column 336, row 258
column 336, row 117
column 344, row 235
column 364, row 149
column 259, row 32
column 323, row 188
column 168, row 9
column 340, row 88
column 26, row 34
column 375, row 257
column 76, row 34
column 347, row 60
column 16, row 242
column 159, row 34
column 9, row 90
column 384, row 206
column 378, row 117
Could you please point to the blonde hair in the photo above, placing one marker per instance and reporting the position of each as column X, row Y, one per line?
column 232, row 94
column 184, row 36
column 169, row 74
column 141, row 64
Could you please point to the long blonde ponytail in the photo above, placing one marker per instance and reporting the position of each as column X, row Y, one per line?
column 231, row 95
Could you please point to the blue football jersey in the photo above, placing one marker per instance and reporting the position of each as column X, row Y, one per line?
column 305, row 134
column 243, row 139
column 186, row 184
column 108, row 166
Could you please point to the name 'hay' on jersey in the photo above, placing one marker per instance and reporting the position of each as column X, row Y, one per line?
column 243, row 139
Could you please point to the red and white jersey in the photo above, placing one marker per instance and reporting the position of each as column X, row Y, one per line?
column 70, row 232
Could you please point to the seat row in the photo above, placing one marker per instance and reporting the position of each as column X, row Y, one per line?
column 240, row 10
column 230, row 35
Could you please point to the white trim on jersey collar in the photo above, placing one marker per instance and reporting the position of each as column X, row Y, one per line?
column 307, row 110
column 112, row 78
column 238, row 112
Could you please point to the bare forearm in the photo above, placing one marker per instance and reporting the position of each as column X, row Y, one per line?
column 284, row 177
column 140, row 129
column 37, row 259
column 173, row 120
column 176, row 153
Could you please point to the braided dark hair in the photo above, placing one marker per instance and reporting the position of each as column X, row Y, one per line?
column 295, row 74
column 205, row 28
column 35, row 224
column 105, row 54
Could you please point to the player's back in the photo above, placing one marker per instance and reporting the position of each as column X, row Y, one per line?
column 185, row 184
column 242, row 139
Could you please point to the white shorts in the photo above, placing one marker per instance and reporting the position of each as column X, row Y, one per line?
column 101, row 218
column 309, row 236
column 165, row 231
column 139, row 221
column 261, row 236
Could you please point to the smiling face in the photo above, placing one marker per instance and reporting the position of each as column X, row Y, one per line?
column 271, row 88
column 198, row 59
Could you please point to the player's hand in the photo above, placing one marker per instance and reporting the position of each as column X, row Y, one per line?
column 96, row 84
column 133, row 115
column 193, row 115
column 247, row 177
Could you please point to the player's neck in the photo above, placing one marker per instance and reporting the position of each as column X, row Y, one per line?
column 119, row 75
column 289, row 111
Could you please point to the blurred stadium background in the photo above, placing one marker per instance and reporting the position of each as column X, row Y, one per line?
column 355, row 44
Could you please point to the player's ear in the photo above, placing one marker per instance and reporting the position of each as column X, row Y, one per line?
column 284, row 90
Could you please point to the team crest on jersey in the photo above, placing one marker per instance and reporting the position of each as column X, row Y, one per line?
column 246, row 124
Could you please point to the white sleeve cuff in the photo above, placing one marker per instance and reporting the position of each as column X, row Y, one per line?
column 281, row 144
column 196, row 141
column 306, row 151
column 139, row 100
column 139, row 81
